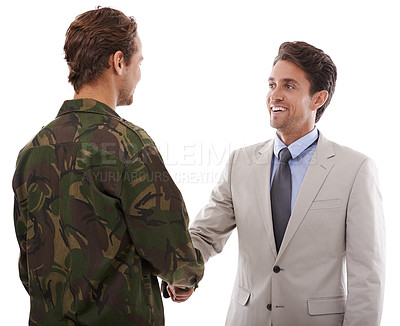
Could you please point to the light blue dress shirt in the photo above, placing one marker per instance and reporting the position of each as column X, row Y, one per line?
column 302, row 153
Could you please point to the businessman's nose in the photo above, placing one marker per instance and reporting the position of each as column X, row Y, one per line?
column 276, row 94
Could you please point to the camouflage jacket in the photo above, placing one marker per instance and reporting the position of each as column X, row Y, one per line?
column 98, row 218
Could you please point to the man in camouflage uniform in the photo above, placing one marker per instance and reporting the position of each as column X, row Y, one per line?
column 97, row 216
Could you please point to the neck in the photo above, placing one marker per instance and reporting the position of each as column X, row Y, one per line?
column 290, row 137
column 100, row 91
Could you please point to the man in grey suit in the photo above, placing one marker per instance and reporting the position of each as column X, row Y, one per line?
column 308, row 212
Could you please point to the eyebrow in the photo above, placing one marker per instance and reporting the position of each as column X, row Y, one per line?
column 286, row 80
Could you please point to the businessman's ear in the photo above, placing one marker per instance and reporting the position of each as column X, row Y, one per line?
column 319, row 99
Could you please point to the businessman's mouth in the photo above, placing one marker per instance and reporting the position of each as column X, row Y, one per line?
column 278, row 109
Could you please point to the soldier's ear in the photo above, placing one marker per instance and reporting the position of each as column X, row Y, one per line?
column 117, row 62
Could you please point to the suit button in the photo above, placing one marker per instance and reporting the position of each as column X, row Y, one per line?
column 276, row 269
column 269, row 306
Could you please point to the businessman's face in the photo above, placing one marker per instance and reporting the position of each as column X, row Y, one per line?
column 290, row 105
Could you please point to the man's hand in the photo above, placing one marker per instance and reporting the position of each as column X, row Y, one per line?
column 179, row 294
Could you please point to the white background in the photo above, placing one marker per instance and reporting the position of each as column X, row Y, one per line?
column 202, row 94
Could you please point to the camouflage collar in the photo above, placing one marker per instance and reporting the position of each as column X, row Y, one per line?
column 86, row 105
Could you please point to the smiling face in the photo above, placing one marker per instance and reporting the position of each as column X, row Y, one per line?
column 292, row 109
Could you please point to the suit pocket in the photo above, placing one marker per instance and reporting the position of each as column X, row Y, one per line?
column 326, row 204
column 241, row 296
column 327, row 306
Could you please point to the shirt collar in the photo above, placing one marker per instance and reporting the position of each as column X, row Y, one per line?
column 298, row 146
column 86, row 105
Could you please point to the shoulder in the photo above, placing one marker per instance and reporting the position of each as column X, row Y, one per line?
column 44, row 137
column 96, row 132
column 351, row 159
column 256, row 149
column 345, row 157
column 137, row 132
column 256, row 153
column 342, row 152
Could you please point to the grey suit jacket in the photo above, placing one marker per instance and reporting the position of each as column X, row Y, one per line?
column 330, row 268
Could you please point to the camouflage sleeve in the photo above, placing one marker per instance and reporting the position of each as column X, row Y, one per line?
column 157, row 220
column 21, row 232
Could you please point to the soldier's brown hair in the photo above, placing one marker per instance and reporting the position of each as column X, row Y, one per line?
column 90, row 40
column 320, row 70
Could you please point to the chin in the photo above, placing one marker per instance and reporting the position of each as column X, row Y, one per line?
column 274, row 123
column 129, row 101
column 125, row 101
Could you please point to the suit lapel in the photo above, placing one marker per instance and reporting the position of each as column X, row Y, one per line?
column 320, row 165
column 261, row 175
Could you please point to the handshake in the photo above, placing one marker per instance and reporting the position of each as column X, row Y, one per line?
column 176, row 293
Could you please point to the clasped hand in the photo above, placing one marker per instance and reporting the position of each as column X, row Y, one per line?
column 179, row 294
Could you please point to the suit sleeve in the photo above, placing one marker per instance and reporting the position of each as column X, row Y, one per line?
column 365, row 249
column 157, row 220
column 214, row 224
